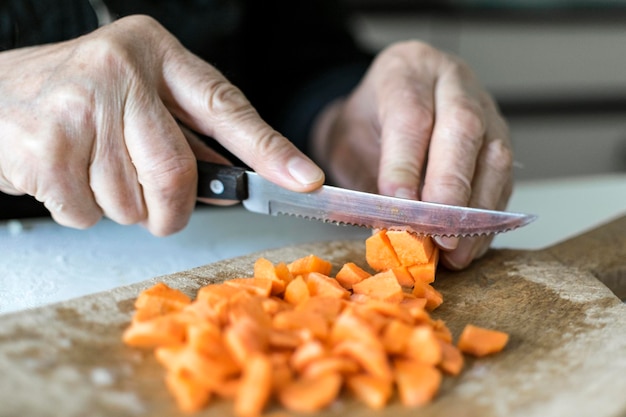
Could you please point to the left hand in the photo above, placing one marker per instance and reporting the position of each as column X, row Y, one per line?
column 420, row 126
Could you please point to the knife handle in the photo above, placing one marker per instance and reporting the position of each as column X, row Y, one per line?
column 222, row 182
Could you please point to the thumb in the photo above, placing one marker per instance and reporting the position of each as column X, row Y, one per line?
column 202, row 98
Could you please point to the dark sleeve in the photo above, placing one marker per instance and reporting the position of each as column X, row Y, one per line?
column 33, row 22
column 300, row 56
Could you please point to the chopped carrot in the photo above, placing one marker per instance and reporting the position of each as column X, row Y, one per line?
column 306, row 353
column 479, row 341
column 425, row 272
column 372, row 357
column 423, row 346
column 395, row 336
column 452, row 359
column 372, row 391
column 322, row 285
column 308, row 264
column 265, row 269
column 379, row 253
column 159, row 331
column 404, row 277
column 427, row 291
column 160, row 299
column 350, row 274
column 257, row 286
column 410, row 248
column 296, row 334
column 297, row 291
column 383, row 286
column 308, row 395
column 254, row 388
column 331, row 364
column 189, row 396
column 417, row 382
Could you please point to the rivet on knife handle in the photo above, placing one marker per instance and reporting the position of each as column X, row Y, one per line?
column 222, row 182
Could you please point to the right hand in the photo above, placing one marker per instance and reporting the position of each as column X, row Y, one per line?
column 90, row 127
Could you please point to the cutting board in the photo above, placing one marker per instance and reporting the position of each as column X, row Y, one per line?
column 561, row 306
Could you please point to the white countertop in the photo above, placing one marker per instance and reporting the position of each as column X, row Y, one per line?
column 42, row 262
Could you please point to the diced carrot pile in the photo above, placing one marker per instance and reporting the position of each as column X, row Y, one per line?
column 296, row 335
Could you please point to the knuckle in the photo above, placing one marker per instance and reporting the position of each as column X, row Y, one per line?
column 467, row 120
column 224, row 99
column 499, row 157
column 452, row 186
column 172, row 176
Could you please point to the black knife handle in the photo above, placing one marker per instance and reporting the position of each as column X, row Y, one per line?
column 222, row 182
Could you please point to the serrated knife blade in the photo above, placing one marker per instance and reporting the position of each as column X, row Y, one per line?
column 343, row 206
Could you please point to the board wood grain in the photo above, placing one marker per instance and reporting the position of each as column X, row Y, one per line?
column 561, row 306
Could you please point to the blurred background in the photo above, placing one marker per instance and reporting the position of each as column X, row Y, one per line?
column 556, row 67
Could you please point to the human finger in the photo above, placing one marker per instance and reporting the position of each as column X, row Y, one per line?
column 492, row 186
column 202, row 98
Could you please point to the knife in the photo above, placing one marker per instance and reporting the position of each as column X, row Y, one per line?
column 343, row 206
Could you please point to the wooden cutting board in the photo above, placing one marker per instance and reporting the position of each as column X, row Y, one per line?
column 566, row 356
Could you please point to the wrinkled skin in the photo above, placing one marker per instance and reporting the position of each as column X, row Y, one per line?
column 103, row 125
column 89, row 127
column 420, row 126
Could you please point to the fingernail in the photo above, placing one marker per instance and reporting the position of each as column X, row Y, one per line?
column 446, row 243
column 304, row 171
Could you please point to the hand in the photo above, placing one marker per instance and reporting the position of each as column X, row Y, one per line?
column 420, row 126
column 90, row 127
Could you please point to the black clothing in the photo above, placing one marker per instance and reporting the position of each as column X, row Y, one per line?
column 289, row 57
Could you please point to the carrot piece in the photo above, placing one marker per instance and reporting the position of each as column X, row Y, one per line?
column 349, row 274
column 310, row 263
column 312, row 322
column 425, row 272
column 160, row 299
column 404, row 277
column 159, row 331
column 410, row 248
column 325, row 286
column 395, row 336
column 372, row 357
column 189, row 396
column 372, row 391
column 215, row 294
column 423, row 346
column 328, row 307
column 452, row 359
column 427, row 291
column 204, row 371
column 382, row 286
column 417, row 382
column 228, row 387
column 255, row 387
column 441, row 330
column 296, row 291
column 306, row 353
column 350, row 326
column 283, row 273
column 332, row 364
column 265, row 269
column 479, row 341
column 308, row 395
column 284, row 339
column 379, row 253
column 244, row 339
column 257, row 286
column 394, row 311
